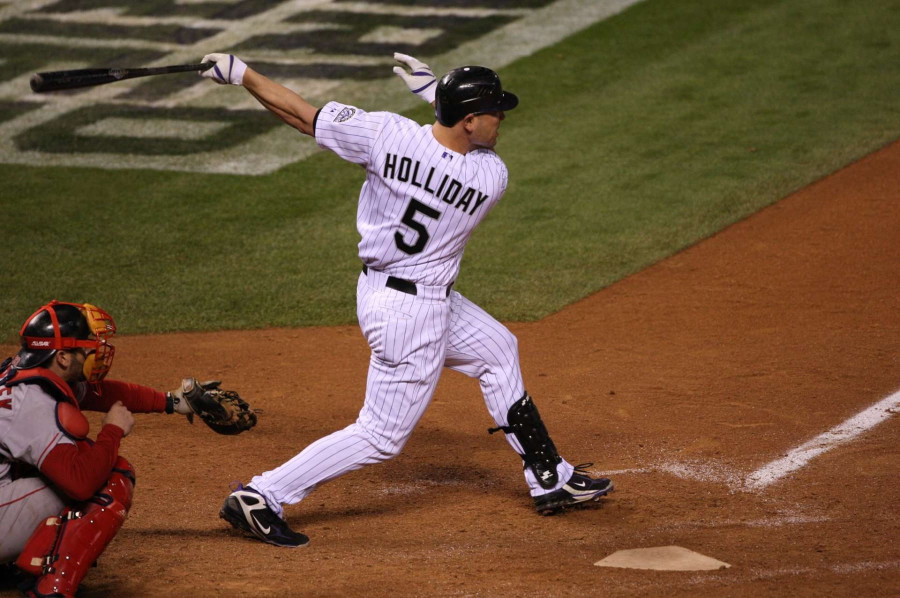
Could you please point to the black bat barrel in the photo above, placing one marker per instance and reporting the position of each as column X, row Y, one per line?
column 57, row 80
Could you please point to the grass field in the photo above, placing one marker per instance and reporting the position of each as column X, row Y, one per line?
column 634, row 139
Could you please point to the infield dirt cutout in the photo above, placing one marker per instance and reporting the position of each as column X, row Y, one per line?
column 691, row 373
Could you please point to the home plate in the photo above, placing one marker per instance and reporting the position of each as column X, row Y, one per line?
column 662, row 558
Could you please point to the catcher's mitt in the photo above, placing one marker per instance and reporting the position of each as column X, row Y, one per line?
column 222, row 410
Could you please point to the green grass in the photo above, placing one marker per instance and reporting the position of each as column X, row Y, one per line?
column 634, row 139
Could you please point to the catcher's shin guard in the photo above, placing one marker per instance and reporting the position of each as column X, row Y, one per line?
column 540, row 453
column 63, row 548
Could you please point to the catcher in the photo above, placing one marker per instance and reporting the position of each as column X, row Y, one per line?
column 64, row 496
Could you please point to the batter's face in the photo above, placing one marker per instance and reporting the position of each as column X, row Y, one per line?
column 485, row 128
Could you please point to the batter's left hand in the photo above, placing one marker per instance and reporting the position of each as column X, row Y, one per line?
column 420, row 80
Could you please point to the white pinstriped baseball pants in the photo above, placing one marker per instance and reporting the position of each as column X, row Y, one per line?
column 412, row 338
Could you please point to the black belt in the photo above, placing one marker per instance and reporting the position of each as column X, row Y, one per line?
column 401, row 284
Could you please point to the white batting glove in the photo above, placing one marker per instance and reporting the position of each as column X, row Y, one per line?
column 228, row 69
column 420, row 80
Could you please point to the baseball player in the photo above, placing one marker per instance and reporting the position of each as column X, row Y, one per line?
column 64, row 496
column 426, row 189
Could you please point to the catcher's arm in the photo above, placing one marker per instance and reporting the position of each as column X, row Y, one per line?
column 224, row 411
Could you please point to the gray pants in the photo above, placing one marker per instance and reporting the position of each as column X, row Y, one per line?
column 24, row 503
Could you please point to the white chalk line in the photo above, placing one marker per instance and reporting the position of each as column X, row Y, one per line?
column 840, row 434
column 795, row 459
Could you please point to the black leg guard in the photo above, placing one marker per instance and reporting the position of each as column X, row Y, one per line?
column 540, row 453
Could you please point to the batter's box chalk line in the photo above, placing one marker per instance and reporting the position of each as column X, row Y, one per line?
column 794, row 460
column 844, row 432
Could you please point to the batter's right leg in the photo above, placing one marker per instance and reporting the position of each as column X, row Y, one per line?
column 408, row 338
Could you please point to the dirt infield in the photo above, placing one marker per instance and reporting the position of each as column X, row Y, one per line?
column 679, row 381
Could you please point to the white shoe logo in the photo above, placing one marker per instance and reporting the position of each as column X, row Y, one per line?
column 248, row 513
column 546, row 475
column 581, row 484
column 262, row 528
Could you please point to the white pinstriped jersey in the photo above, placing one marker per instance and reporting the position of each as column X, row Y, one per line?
column 420, row 201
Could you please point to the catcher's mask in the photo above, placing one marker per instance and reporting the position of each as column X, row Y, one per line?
column 61, row 326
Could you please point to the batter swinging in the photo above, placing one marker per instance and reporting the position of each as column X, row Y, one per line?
column 426, row 189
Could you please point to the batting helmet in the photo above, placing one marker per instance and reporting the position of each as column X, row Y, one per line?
column 470, row 90
column 63, row 326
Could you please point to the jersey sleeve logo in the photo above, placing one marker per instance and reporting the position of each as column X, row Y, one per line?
column 345, row 115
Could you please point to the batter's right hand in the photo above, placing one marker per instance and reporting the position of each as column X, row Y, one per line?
column 119, row 415
column 420, row 79
column 228, row 69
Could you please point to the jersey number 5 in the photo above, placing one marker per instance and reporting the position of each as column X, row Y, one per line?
column 410, row 221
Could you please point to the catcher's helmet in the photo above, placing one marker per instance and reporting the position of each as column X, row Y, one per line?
column 470, row 90
column 63, row 326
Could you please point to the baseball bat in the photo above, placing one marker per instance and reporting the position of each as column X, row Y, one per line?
column 56, row 80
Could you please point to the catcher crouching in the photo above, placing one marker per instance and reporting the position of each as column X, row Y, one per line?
column 63, row 496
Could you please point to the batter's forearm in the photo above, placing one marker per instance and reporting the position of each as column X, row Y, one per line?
column 286, row 104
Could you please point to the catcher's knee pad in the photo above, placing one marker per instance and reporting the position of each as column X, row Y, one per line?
column 62, row 548
column 540, row 453
column 120, row 486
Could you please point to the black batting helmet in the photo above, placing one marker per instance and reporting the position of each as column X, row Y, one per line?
column 470, row 90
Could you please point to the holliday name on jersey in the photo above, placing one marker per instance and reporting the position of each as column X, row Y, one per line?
column 407, row 170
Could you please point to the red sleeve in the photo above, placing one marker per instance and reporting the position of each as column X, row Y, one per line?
column 81, row 469
column 138, row 399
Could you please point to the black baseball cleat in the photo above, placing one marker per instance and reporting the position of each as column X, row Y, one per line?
column 246, row 509
column 579, row 489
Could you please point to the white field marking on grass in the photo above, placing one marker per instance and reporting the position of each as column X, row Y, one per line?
column 269, row 151
column 803, row 454
column 154, row 128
